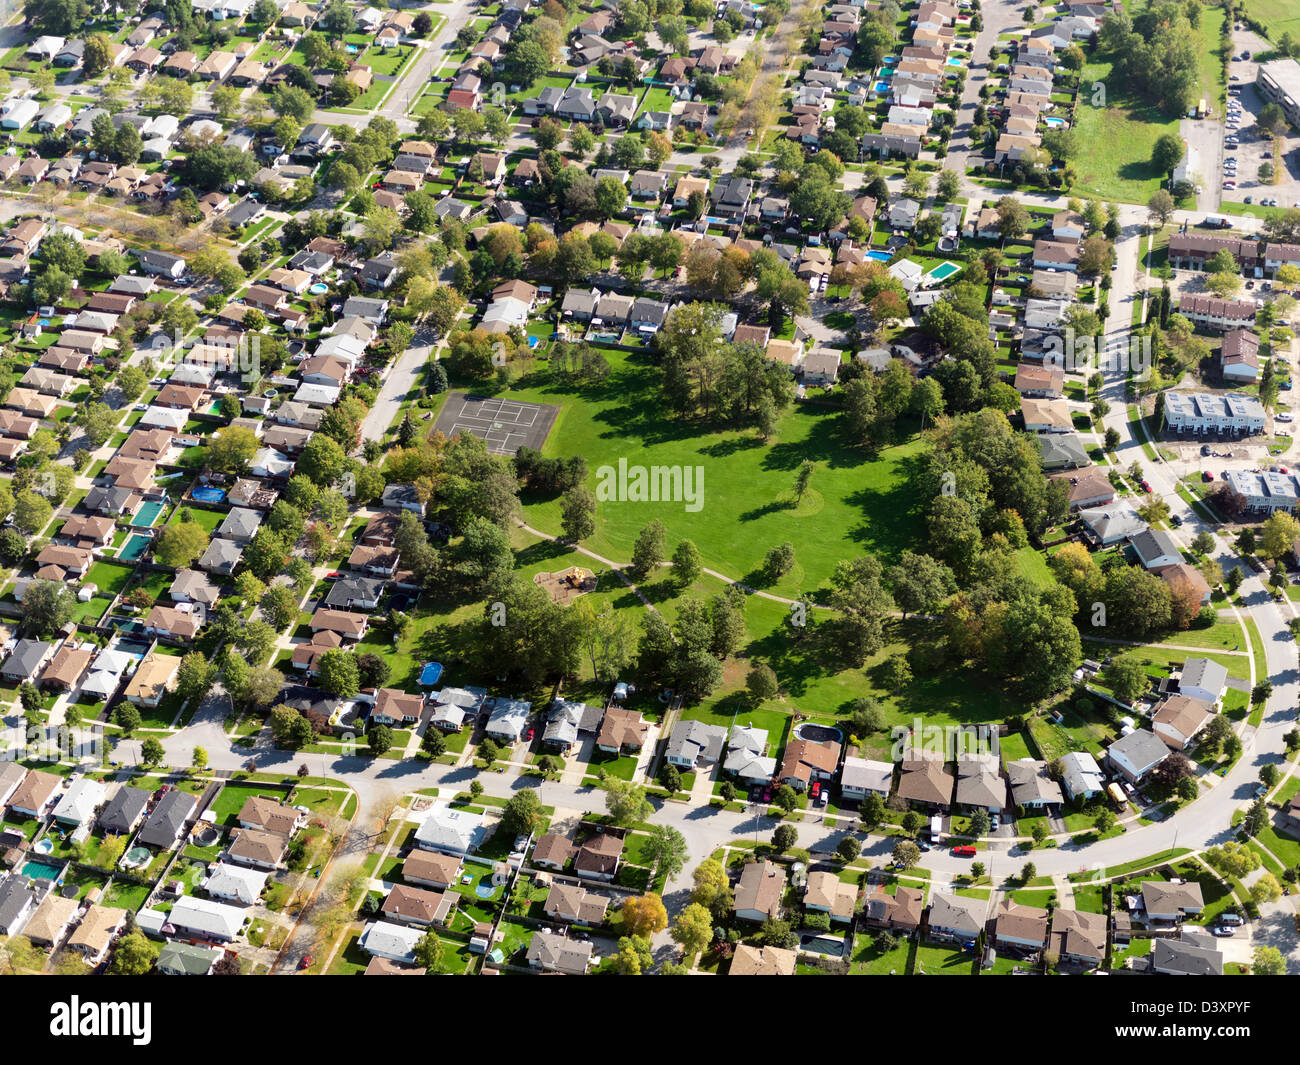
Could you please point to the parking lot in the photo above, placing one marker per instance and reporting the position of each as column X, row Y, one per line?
column 1251, row 150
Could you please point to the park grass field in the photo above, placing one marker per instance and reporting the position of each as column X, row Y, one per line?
column 858, row 504
column 1120, row 138
column 1278, row 16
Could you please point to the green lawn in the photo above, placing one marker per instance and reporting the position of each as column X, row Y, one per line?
column 1120, row 138
column 1278, row 16
column 858, row 504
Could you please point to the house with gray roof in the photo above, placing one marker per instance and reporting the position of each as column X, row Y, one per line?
column 1204, row 679
column 1137, row 754
column 1189, row 955
column 1032, row 785
column 1081, row 775
column 222, row 556
column 566, row 720
column 859, row 777
column 695, row 743
column 26, row 660
column 450, row 831
column 124, row 810
column 18, row 900
column 980, row 785
column 187, row 959
column 240, row 525
column 955, row 917
column 1155, row 548
column 745, row 758
column 507, row 718
column 168, row 818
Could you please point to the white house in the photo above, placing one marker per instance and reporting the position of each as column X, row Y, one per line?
column 1137, row 754
column 1203, row 679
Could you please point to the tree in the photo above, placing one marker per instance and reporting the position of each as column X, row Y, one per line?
column 648, row 551
column 1268, row 961
column 644, row 915
column 761, row 682
column 151, row 752
column 785, row 798
column 693, row 930
column 428, row 951
column 906, row 854
column 785, row 837
column 627, row 803
column 1167, row 153
column 133, row 955
column 1280, row 531
column 1160, row 208
column 1126, row 677
column 666, row 849
column 32, row 512
column 379, row 738
column 578, row 514
column 322, row 460
column 181, row 543
column 339, row 674
column 980, row 823
column 1266, row 889
column 686, row 563
column 194, row 677
column 233, row 448
column 522, row 813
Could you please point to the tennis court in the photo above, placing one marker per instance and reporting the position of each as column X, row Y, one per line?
column 505, row 425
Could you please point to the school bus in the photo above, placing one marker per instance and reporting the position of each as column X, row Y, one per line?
column 1117, row 795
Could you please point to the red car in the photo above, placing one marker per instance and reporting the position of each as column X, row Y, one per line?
column 767, row 794
column 530, row 733
column 963, row 852
column 1146, row 487
column 305, row 963
column 1207, row 476
column 816, row 788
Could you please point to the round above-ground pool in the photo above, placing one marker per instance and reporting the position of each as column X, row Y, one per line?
column 818, row 733
column 207, row 837
column 485, row 889
column 135, row 857
column 43, row 846
column 318, row 289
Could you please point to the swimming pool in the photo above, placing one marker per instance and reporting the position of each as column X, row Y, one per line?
column 953, row 61
column 41, row 871
column 209, row 495
column 147, row 514
column 1055, row 123
column 44, row 846
column 818, row 733
column 879, row 256
column 485, row 889
column 134, row 547
column 943, row 271
column 318, row 289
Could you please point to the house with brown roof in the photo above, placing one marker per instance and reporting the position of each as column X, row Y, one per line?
column 759, row 892
column 346, row 624
column 827, row 893
column 622, row 730
column 1078, row 937
column 396, row 707
column 32, row 797
column 1019, row 928
column 418, row 906
column 1088, row 487
column 805, row 761
column 432, row 869
column 901, row 911
column 1178, row 719
column 574, row 904
column 926, row 782
column 553, row 851
column 64, row 671
column 153, row 678
column 762, row 961
column 96, row 932
column 267, row 815
column 262, row 850
column 598, row 856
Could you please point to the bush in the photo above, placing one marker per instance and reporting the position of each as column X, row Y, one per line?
column 818, row 922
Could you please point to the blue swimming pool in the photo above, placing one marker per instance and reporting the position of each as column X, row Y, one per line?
column 944, row 271
column 881, row 86
column 134, row 547
column 879, row 256
column 41, row 871
column 1055, row 123
column 953, row 61
column 209, row 495
column 147, row 514
column 430, row 674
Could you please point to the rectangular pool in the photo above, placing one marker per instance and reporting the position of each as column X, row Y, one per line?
column 147, row 514
column 134, row 547
column 41, row 871
column 943, row 271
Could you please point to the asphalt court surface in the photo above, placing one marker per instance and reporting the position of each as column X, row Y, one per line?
column 505, row 425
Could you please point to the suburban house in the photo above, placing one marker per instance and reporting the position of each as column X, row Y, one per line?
column 1178, row 718
column 805, row 762
column 955, row 917
column 759, row 891
column 1020, row 928
column 1137, row 754
column 827, row 893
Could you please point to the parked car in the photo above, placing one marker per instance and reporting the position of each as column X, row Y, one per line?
column 1146, row 487
column 1231, row 919
column 1176, row 521
column 1221, row 932
column 1207, row 476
